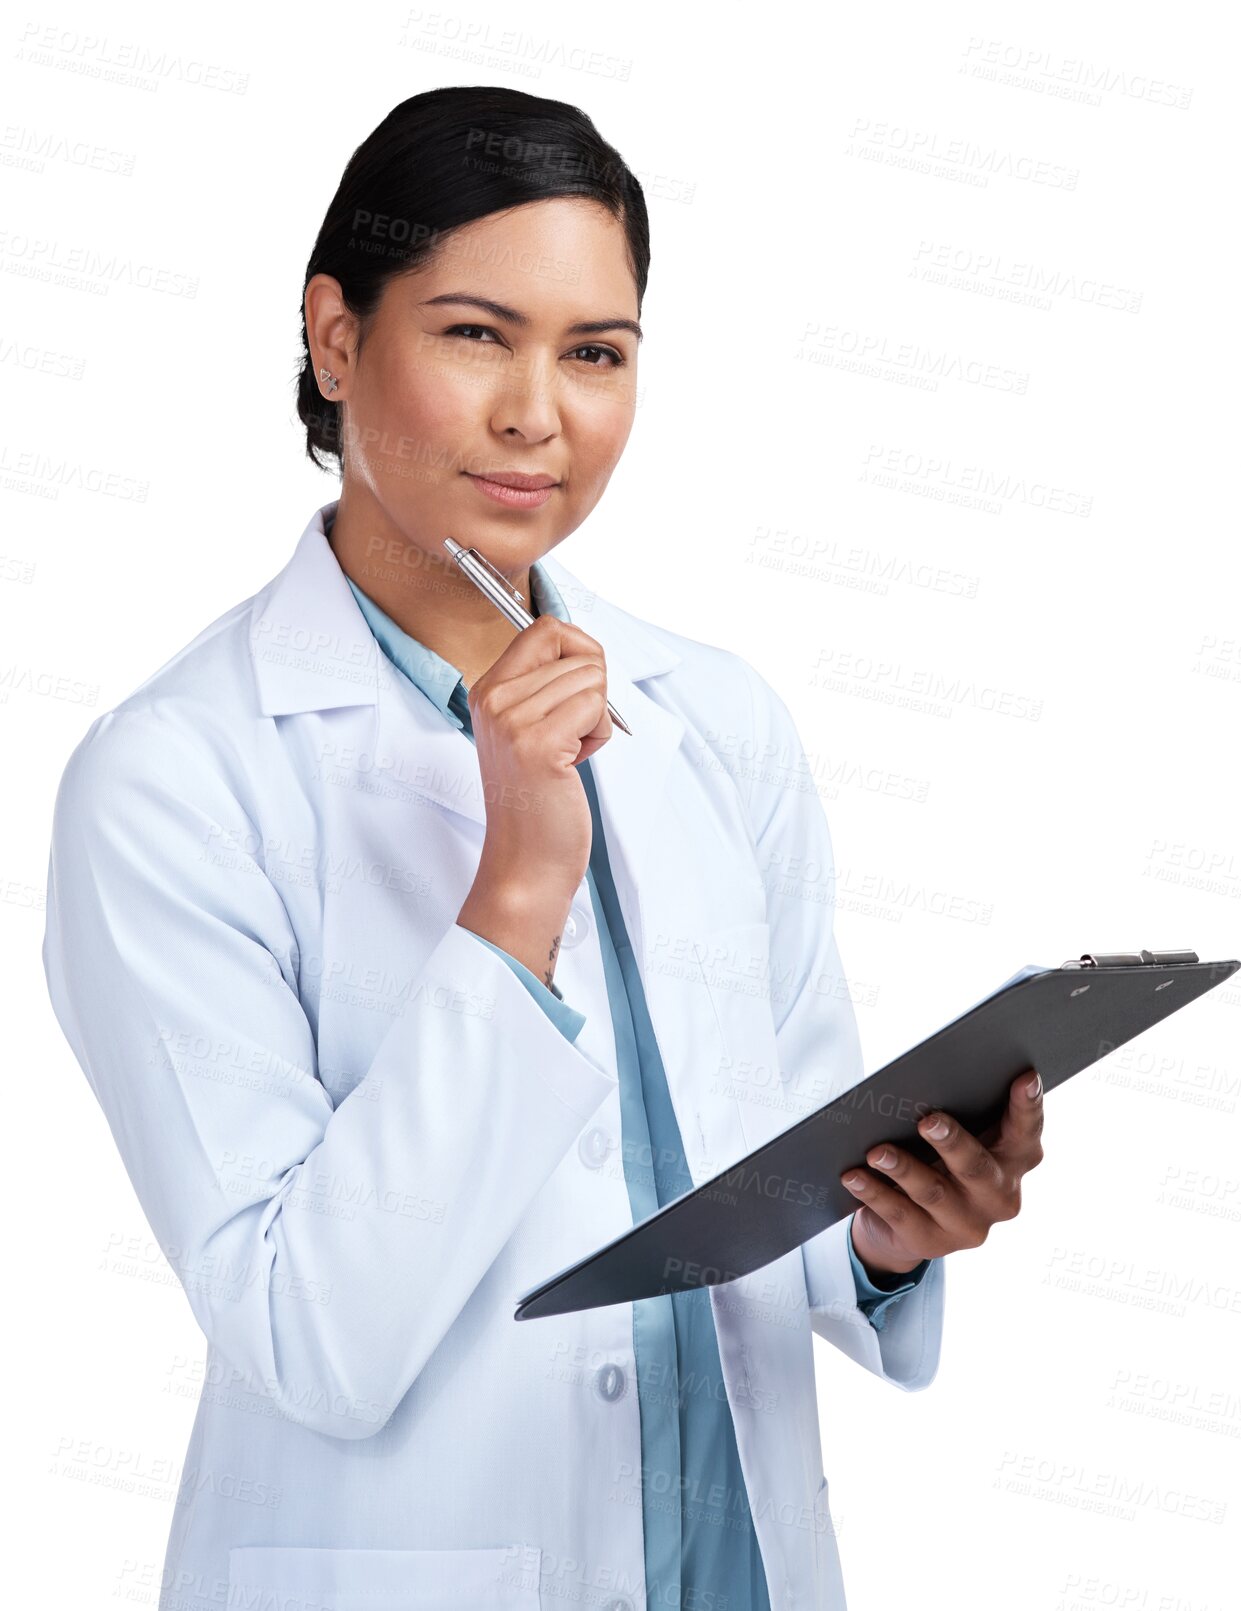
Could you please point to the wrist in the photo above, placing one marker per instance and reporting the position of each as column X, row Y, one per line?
column 509, row 877
column 525, row 923
column 508, row 884
column 879, row 1272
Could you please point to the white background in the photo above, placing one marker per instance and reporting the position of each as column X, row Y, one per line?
column 936, row 427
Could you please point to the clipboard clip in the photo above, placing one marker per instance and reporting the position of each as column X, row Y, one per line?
column 1131, row 959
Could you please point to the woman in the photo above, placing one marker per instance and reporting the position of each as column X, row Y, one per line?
column 403, row 981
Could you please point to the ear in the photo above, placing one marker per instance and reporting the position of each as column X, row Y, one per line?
column 329, row 332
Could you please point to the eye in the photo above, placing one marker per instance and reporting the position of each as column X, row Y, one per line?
column 618, row 360
column 458, row 329
column 470, row 332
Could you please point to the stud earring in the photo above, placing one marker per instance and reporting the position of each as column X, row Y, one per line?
column 329, row 380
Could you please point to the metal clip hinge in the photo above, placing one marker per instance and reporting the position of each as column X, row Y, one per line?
column 1131, row 959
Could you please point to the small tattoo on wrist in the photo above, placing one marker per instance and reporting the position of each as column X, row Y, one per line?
column 551, row 962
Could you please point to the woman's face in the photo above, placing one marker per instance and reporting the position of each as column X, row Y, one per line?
column 446, row 391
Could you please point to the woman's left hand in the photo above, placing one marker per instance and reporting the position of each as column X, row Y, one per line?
column 914, row 1211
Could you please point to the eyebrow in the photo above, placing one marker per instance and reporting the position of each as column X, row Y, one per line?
column 497, row 310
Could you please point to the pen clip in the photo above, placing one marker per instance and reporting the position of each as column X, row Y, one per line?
column 499, row 576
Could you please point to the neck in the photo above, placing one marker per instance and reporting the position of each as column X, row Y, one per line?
column 424, row 592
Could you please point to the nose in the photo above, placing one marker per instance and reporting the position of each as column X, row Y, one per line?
column 526, row 400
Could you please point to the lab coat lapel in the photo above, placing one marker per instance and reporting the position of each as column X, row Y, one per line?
column 631, row 775
column 648, row 799
column 634, row 776
column 313, row 651
column 311, row 646
column 632, row 770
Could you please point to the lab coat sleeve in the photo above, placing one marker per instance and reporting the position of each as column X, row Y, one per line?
column 567, row 1019
column 172, row 970
column 818, row 1046
column 874, row 1301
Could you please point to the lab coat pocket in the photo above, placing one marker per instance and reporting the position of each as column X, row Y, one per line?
column 504, row 1577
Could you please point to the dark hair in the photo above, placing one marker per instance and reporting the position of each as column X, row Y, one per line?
column 438, row 161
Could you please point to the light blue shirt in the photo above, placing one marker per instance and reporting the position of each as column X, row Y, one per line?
column 707, row 1543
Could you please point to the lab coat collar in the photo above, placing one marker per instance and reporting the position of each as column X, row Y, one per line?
column 313, row 650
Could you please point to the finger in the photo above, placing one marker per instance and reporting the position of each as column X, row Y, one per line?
column 603, row 727
column 940, row 1197
column 584, row 719
column 908, row 1224
column 968, row 1162
column 1020, row 1139
column 546, row 639
column 534, row 694
column 597, row 737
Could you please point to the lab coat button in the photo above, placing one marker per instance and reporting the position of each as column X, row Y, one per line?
column 610, row 1383
column 618, row 1605
column 594, row 1146
column 576, row 928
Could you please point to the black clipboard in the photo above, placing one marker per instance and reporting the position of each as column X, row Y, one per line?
column 1056, row 1020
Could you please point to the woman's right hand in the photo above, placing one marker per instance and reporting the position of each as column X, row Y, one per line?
column 537, row 713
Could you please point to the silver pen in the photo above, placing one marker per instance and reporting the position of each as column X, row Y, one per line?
column 492, row 584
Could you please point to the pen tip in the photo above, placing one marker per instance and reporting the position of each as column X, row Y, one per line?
column 624, row 727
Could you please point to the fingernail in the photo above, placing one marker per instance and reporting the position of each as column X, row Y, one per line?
column 1034, row 1086
column 938, row 1130
column 854, row 1182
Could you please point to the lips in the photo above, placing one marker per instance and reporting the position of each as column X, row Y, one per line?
column 512, row 478
column 511, row 496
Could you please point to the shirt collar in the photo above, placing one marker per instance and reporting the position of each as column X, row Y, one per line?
column 437, row 678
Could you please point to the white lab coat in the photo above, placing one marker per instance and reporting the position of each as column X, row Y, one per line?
column 358, row 1139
